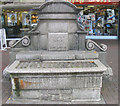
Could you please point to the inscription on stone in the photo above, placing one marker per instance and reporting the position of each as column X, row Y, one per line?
column 58, row 41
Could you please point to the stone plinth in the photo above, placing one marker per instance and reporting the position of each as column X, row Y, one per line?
column 59, row 64
column 79, row 80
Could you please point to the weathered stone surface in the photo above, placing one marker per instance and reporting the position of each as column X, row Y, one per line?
column 73, row 42
column 32, row 69
column 87, row 94
column 28, row 55
column 71, row 86
column 55, row 55
column 58, row 26
column 86, row 55
column 49, row 95
column 73, row 26
column 42, row 42
column 13, row 52
column 57, row 16
column 55, row 64
column 37, row 101
column 108, row 72
column 81, row 39
column 30, row 94
column 59, row 83
column 43, row 27
column 58, row 41
column 57, row 7
column 34, row 45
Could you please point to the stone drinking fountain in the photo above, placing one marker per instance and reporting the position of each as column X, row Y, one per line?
column 58, row 63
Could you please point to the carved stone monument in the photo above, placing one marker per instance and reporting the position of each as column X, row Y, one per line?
column 57, row 63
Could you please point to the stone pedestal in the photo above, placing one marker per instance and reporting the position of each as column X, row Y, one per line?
column 59, row 65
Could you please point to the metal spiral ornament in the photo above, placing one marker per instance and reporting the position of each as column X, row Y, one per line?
column 25, row 42
column 104, row 47
column 90, row 45
column 12, row 42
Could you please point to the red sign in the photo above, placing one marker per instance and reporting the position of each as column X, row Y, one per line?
column 95, row 2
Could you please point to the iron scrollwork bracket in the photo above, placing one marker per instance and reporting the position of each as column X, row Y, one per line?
column 24, row 40
column 90, row 45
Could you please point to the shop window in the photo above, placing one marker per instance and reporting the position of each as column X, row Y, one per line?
column 100, row 20
column 34, row 20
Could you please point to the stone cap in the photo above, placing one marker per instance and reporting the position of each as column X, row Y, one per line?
column 57, row 7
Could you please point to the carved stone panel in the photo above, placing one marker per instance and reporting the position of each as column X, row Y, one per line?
column 58, row 41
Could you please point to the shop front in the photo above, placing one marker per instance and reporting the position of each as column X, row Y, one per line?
column 100, row 20
column 17, row 21
column 99, row 17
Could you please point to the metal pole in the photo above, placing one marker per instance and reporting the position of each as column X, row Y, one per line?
column 119, row 20
column 0, row 17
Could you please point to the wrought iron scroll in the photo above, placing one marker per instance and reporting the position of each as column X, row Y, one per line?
column 90, row 45
column 24, row 40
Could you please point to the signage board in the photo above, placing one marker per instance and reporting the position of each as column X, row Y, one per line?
column 95, row 2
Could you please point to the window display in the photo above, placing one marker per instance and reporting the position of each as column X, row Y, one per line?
column 12, row 19
column 26, row 19
column 100, row 20
column 34, row 19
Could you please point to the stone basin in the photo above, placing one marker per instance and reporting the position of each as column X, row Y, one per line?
column 75, row 80
column 56, row 66
column 78, row 80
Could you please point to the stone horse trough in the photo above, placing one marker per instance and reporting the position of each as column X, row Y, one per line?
column 56, row 62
